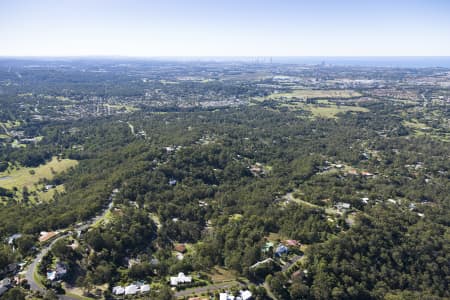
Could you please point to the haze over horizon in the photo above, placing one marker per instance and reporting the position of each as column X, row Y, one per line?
column 226, row 28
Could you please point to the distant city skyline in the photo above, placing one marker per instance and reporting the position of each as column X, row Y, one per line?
column 224, row 28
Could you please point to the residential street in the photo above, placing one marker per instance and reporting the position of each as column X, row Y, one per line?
column 32, row 267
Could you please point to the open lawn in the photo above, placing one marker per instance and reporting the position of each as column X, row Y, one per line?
column 324, row 111
column 294, row 197
column 332, row 111
column 104, row 220
column 48, row 196
column 275, row 237
column 28, row 177
column 219, row 274
column 75, row 292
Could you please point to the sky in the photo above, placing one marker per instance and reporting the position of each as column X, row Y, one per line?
column 224, row 28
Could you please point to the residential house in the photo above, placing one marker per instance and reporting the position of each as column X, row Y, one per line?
column 267, row 260
column 352, row 172
column 46, row 236
column 342, row 206
column 281, row 249
column 367, row 174
column 48, row 187
column 131, row 289
column 392, row 201
column 145, row 288
column 154, row 262
column 180, row 248
column 291, row 243
column 180, row 279
column 59, row 272
column 5, row 284
column 243, row 295
column 51, row 275
column 14, row 237
column 118, row 290
column 11, row 268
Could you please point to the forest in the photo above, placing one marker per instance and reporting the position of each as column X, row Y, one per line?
column 359, row 201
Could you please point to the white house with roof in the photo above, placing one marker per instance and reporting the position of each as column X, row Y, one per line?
column 14, row 237
column 5, row 284
column 51, row 275
column 131, row 289
column 59, row 272
column 243, row 295
column 145, row 288
column 180, row 279
column 118, row 290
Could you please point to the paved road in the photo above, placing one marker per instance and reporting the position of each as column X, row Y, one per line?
column 269, row 292
column 32, row 267
column 131, row 128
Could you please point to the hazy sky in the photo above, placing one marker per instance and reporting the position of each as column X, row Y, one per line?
column 225, row 27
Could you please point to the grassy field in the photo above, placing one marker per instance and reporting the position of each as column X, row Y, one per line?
column 421, row 129
column 324, row 111
column 414, row 124
column 127, row 108
column 332, row 111
column 219, row 274
column 29, row 177
column 48, row 196
column 307, row 94
column 76, row 293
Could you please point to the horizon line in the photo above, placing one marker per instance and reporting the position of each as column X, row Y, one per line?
column 221, row 56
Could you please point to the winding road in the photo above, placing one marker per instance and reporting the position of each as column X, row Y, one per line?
column 34, row 286
column 32, row 268
column 5, row 129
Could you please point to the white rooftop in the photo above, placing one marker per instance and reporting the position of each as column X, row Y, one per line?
column 181, row 278
column 145, row 288
column 118, row 290
column 131, row 289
